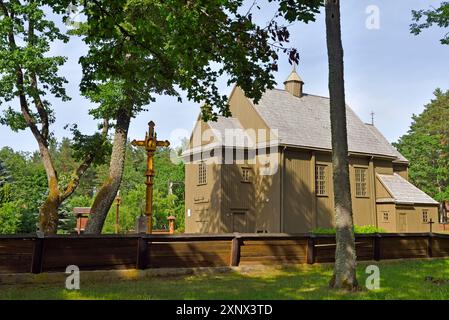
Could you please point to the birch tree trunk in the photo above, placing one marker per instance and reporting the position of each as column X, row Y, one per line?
column 345, row 257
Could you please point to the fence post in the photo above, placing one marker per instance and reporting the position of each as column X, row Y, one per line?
column 38, row 252
column 429, row 245
column 171, row 224
column 311, row 252
column 142, row 253
column 377, row 246
column 235, row 250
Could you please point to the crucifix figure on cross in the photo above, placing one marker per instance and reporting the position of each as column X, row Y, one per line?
column 150, row 144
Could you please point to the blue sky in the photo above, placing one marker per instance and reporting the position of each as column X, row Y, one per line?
column 387, row 71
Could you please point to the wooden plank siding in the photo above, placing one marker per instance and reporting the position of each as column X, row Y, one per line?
column 273, row 251
column 403, row 248
column 89, row 253
column 189, row 254
column 25, row 254
column 16, row 255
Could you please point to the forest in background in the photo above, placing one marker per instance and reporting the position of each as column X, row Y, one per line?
column 23, row 182
column 23, row 188
column 426, row 146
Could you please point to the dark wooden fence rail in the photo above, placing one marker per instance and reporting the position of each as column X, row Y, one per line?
column 30, row 253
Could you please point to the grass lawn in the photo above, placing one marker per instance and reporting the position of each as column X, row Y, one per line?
column 399, row 280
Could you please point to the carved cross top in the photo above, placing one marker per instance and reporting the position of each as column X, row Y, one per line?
column 150, row 143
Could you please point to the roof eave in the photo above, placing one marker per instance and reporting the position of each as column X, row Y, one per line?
column 350, row 153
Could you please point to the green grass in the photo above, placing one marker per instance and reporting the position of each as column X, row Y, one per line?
column 399, row 280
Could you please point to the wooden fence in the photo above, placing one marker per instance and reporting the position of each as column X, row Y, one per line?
column 30, row 253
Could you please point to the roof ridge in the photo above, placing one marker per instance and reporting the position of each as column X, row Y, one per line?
column 304, row 94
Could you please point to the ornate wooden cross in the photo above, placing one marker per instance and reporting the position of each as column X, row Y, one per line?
column 150, row 144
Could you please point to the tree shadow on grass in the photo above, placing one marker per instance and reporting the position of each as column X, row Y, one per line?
column 399, row 280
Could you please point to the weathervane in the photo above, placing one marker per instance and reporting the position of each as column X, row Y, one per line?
column 150, row 144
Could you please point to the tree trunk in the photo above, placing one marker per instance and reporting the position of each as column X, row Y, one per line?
column 345, row 257
column 48, row 212
column 107, row 193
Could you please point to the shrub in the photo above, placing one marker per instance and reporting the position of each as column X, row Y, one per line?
column 357, row 229
column 368, row 229
column 10, row 217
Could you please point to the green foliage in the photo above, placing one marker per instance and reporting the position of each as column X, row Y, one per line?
column 29, row 74
column 96, row 144
column 67, row 221
column 133, row 188
column 133, row 203
column 10, row 217
column 5, row 193
column 27, row 21
column 138, row 49
column 425, row 19
column 368, row 229
column 426, row 146
column 66, row 161
column 27, row 187
column 80, row 201
column 304, row 10
column 5, row 196
column 4, row 174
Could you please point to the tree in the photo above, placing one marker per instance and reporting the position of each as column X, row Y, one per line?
column 139, row 49
column 4, row 174
column 345, row 256
column 425, row 19
column 24, row 192
column 27, row 74
column 426, row 146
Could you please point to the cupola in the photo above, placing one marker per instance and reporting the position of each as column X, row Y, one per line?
column 294, row 84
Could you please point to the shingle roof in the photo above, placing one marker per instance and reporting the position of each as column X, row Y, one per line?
column 305, row 122
column 380, row 137
column 403, row 191
column 231, row 132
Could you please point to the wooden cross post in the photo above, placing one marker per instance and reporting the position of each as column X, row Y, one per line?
column 430, row 224
column 150, row 144
column 118, row 202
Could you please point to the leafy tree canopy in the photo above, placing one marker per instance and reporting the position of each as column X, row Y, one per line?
column 426, row 146
column 4, row 174
column 305, row 10
column 424, row 19
column 159, row 47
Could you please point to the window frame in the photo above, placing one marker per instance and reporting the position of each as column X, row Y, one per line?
column 387, row 215
column 360, row 183
column 244, row 178
column 202, row 173
column 321, row 182
column 425, row 216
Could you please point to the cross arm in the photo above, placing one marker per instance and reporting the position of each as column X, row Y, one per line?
column 163, row 143
column 138, row 143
